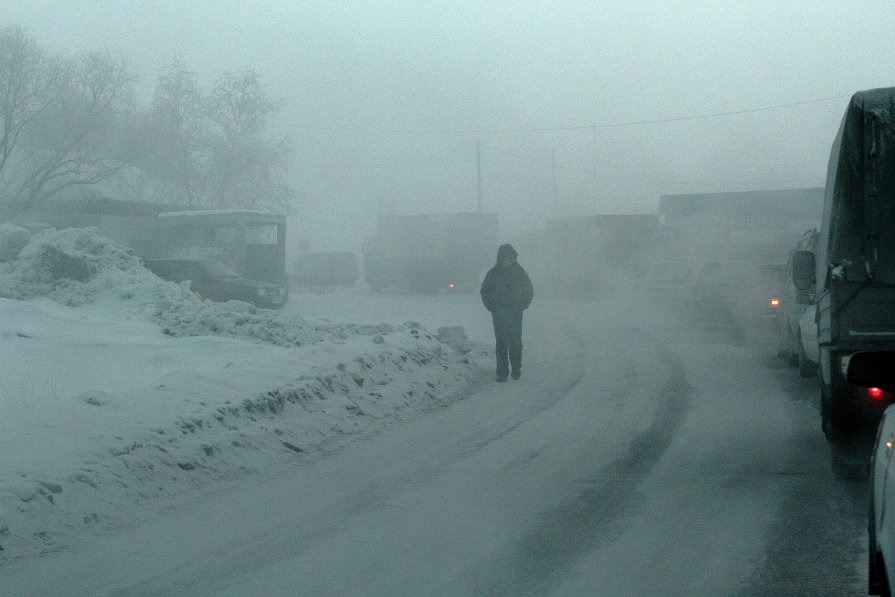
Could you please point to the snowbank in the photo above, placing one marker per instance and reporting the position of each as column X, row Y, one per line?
column 12, row 240
column 77, row 266
column 119, row 387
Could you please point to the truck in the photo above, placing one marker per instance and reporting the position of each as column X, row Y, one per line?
column 582, row 251
column 431, row 253
column 324, row 271
column 753, row 226
column 852, row 274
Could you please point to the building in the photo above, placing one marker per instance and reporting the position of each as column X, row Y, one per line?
column 756, row 226
column 131, row 223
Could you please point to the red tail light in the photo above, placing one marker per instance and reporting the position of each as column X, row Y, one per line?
column 875, row 392
column 774, row 303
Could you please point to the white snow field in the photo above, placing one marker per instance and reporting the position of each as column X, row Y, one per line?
column 118, row 387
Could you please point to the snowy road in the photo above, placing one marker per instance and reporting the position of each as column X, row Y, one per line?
column 633, row 458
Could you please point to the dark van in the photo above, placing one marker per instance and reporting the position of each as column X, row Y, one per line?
column 854, row 271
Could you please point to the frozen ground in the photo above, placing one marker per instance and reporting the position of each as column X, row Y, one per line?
column 118, row 388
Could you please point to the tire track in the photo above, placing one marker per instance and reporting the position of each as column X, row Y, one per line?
column 821, row 529
column 553, row 391
column 533, row 563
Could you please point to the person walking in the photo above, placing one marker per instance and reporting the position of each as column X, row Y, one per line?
column 506, row 293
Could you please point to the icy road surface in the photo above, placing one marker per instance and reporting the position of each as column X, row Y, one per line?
column 634, row 457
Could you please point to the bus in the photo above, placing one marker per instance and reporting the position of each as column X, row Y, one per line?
column 251, row 243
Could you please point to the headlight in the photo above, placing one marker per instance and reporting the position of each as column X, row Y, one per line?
column 262, row 292
column 282, row 291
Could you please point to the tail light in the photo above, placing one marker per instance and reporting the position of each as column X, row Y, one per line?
column 451, row 286
column 875, row 392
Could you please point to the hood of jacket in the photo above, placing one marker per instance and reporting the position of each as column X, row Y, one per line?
column 506, row 250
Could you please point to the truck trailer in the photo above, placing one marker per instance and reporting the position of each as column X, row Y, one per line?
column 431, row 252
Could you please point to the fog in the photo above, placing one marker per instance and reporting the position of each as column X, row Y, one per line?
column 385, row 102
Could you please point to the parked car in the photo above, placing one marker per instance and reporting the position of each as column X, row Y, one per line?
column 875, row 372
column 807, row 352
column 213, row 280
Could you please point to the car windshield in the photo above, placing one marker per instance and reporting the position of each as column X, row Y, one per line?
column 216, row 269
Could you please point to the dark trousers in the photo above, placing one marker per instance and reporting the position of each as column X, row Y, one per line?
column 508, row 334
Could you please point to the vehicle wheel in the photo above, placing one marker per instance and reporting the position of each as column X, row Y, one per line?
column 806, row 367
column 826, row 417
column 874, row 584
column 877, row 580
column 792, row 350
column 847, row 468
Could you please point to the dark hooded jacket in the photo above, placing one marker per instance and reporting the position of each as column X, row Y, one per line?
column 506, row 288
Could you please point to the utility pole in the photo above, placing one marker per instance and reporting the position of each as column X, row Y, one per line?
column 553, row 172
column 478, row 161
column 594, row 130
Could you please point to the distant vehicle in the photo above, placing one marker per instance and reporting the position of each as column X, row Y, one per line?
column 793, row 304
column 324, row 271
column 758, row 302
column 754, row 226
column 251, row 243
column 716, row 291
column 669, row 281
column 807, row 350
column 854, row 267
column 579, row 252
column 215, row 281
column 875, row 371
column 431, row 252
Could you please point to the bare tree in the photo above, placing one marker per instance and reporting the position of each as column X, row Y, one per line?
column 248, row 164
column 68, row 122
column 25, row 88
column 86, row 135
column 177, row 151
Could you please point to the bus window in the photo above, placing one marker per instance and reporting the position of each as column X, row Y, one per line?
column 261, row 235
column 252, row 243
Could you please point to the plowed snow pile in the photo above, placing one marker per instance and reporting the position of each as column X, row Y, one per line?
column 118, row 387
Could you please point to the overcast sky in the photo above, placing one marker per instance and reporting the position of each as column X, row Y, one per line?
column 386, row 101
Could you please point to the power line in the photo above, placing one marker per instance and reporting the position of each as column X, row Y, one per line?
column 756, row 183
column 590, row 172
column 342, row 165
column 718, row 114
column 583, row 127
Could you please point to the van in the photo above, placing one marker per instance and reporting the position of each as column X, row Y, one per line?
column 854, row 267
